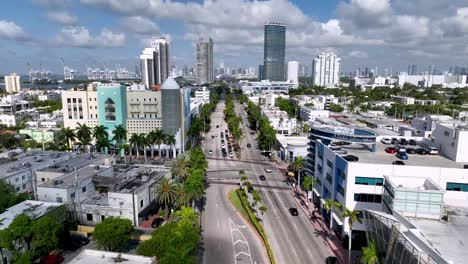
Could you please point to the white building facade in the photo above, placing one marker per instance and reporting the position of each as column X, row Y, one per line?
column 326, row 70
column 12, row 83
column 293, row 71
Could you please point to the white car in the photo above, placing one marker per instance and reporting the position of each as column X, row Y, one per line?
column 268, row 169
column 432, row 150
column 386, row 141
column 230, row 155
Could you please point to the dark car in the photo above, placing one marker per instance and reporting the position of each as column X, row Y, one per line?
column 75, row 242
column 398, row 162
column 350, row 158
column 262, row 177
column 157, row 222
column 227, row 131
column 412, row 142
column 252, row 132
column 421, row 151
column 217, row 126
column 394, row 140
column 51, row 259
column 249, row 145
column 402, row 155
column 250, row 189
column 331, row 260
column 79, row 239
column 410, row 151
column 403, row 142
column 224, row 154
column 212, row 136
column 293, row 211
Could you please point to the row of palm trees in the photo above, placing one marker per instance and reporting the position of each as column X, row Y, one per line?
column 257, row 199
column 85, row 135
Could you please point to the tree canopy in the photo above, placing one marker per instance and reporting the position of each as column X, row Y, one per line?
column 113, row 234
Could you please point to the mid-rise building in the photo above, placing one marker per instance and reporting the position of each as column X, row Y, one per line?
column 155, row 63
column 326, row 70
column 309, row 114
column 428, row 80
column 293, row 71
column 12, row 83
column 7, row 120
column 203, row 94
column 205, row 73
column 266, row 86
column 279, row 120
column 274, row 51
column 403, row 100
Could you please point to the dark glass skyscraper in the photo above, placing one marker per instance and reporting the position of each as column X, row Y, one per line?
column 274, row 51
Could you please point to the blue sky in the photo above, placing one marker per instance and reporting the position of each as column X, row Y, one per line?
column 372, row 33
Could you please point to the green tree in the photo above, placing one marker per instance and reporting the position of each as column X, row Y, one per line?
column 198, row 159
column 83, row 134
column 256, row 197
column 182, row 198
column 353, row 217
column 137, row 140
column 180, row 167
column 102, row 144
column 298, row 165
column 113, row 234
column 166, row 190
column 46, row 234
column 170, row 141
column 195, row 185
column 336, row 108
column 158, row 244
column 9, row 197
column 330, row 205
column 100, row 131
column 262, row 210
column 120, row 136
column 159, row 138
column 370, row 254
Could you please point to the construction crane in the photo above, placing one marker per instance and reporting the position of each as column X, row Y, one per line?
column 68, row 73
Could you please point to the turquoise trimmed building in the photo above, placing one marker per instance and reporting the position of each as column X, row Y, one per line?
column 112, row 106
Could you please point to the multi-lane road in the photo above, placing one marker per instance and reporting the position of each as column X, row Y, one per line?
column 291, row 237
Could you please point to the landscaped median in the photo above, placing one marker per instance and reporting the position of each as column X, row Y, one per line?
column 239, row 199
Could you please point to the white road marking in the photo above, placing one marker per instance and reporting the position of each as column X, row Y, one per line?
column 234, row 228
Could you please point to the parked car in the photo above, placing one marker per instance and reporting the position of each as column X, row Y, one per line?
column 331, row 260
column 217, row 126
column 386, row 141
column 398, row 162
column 212, row 136
column 231, row 156
column 334, row 147
column 403, row 141
column 391, row 150
column 432, row 150
column 351, row 158
column 51, row 259
column 402, row 155
column 249, row 145
column 401, row 148
column 157, row 222
column 410, row 151
column 394, row 140
column 412, row 142
column 268, row 169
column 293, row 211
column 262, row 177
column 422, row 151
column 252, row 132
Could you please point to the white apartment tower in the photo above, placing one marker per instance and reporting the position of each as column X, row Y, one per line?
column 293, row 71
column 12, row 83
column 326, row 70
column 155, row 63
column 205, row 72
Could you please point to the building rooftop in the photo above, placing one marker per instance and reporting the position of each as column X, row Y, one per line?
column 30, row 207
column 32, row 160
column 413, row 183
column 88, row 256
column 78, row 161
column 296, row 141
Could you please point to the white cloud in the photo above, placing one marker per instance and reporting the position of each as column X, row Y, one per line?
column 62, row 17
column 140, row 25
column 9, row 30
column 358, row 54
column 55, row 4
column 78, row 36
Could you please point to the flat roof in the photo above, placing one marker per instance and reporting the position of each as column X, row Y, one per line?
column 78, row 161
column 30, row 207
column 67, row 180
column 365, row 155
column 293, row 140
column 27, row 161
column 450, row 237
column 88, row 256
column 413, row 183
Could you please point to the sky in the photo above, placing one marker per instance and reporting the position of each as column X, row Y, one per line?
column 106, row 33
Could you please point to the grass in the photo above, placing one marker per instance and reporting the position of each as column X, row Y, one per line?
column 239, row 200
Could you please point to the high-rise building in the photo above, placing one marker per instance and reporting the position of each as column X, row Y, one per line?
column 293, row 71
column 274, row 51
column 326, row 70
column 12, row 83
column 261, row 72
column 205, row 72
column 155, row 63
column 412, row 69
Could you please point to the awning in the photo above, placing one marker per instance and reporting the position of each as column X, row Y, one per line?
column 337, row 219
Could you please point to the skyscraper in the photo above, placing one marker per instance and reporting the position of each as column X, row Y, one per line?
column 155, row 63
column 326, row 70
column 205, row 60
column 274, row 51
column 293, row 71
column 12, row 83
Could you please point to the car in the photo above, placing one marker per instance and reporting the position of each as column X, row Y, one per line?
column 51, row 259
column 334, row 147
column 403, row 142
column 224, row 154
column 222, row 140
column 250, row 189
column 217, row 126
column 398, row 162
column 293, row 211
column 210, row 151
column 216, row 135
column 157, row 222
column 249, row 145
column 412, row 142
column 402, row 155
column 410, row 151
column 351, row 158
column 394, row 140
column 422, row 151
column 432, row 150
column 212, row 136
column 268, row 169
column 391, row 150
column 252, row 132
column 262, row 177
column 79, row 239
column 401, row 149
column 342, row 143
column 222, row 145
column 331, row 260
column 231, row 156
column 386, row 141
column 226, row 131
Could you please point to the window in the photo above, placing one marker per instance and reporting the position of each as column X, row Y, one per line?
column 329, row 178
column 16, row 179
column 341, row 190
column 341, row 174
column 330, row 164
column 368, row 181
column 83, row 190
column 24, row 186
column 23, row 177
column 43, row 179
column 367, row 198
column 74, row 100
column 103, row 217
column 319, row 168
column 446, row 133
column 17, row 188
column 59, row 200
column 89, row 217
column 69, row 100
column 457, row 187
column 141, row 203
column 72, row 195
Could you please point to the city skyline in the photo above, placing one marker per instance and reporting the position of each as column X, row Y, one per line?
column 360, row 32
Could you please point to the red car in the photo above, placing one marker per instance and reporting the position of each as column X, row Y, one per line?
column 51, row 259
column 391, row 150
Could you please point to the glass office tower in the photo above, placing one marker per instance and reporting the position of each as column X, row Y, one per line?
column 274, row 51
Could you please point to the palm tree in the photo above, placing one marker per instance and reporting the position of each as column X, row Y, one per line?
column 120, row 135
column 298, row 165
column 262, row 209
column 195, row 185
column 135, row 141
column 100, row 134
column 353, row 217
column 330, row 205
column 102, row 143
column 159, row 138
column 180, row 166
column 243, row 177
column 69, row 135
column 182, row 198
column 151, row 137
column 256, row 197
column 166, row 190
column 83, row 134
column 370, row 254
column 170, row 141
